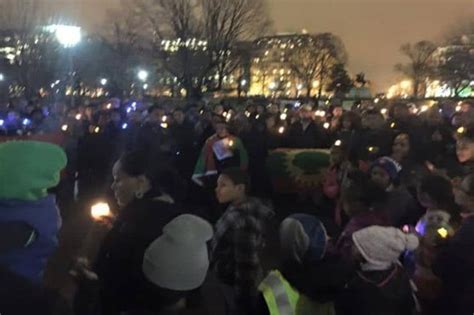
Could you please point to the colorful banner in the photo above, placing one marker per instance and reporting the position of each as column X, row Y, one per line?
column 297, row 170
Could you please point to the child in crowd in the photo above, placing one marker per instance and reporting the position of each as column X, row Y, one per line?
column 29, row 217
column 175, row 266
column 465, row 150
column 239, row 238
column 359, row 198
column 400, row 207
column 381, row 286
column 309, row 274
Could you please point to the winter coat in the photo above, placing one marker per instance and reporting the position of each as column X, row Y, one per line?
column 44, row 219
column 385, row 292
column 455, row 266
column 311, row 137
column 119, row 263
column 401, row 208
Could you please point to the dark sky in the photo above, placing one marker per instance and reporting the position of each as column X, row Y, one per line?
column 372, row 30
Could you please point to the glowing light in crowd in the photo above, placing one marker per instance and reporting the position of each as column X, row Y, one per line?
column 243, row 82
column 392, row 125
column 96, row 129
column 129, row 109
column 125, row 126
column 461, row 130
column 257, row 117
column 201, row 112
column 424, row 108
column 231, row 143
column 297, row 104
column 145, row 86
column 283, row 116
column 67, row 35
column 371, row 149
column 64, row 127
column 272, row 86
column 320, row 113
column 134, row 105
column 103, row 81
column 109, row 106
column 2, row 122
column 143, row 75
column 281, row 130
column 326, row 125
column 458, row 108
column 78, row 117
column 164, row 125
column 164, row 119
column 383, row 111
column 2, row 77
column 338, row 143
column 100, row 210
column 442, row 232
column 376, row 100
column 247, row 113
column 26, row 121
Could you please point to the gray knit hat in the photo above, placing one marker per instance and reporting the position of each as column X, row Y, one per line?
column 178, row 260
column 382, row 246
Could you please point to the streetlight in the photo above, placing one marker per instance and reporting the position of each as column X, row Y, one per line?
column 143, row 75
column 67, row 35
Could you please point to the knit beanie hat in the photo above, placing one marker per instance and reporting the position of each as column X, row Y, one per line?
column 392, row 167
column 178, row 260
column 29, row 168
column 382, row 246
column 302, row 237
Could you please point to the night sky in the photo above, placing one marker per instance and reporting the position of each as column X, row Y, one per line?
column 372, row 30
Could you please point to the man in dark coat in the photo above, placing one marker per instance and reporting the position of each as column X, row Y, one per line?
column 305, row 133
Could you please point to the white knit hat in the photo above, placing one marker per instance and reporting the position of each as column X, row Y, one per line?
column 178, row 260
column 382, row 246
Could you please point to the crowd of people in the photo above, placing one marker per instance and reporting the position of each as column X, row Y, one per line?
column 199, row 228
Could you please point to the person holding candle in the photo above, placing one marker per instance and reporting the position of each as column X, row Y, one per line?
column 145, row 208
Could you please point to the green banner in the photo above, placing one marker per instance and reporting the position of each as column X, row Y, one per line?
column 297, row 170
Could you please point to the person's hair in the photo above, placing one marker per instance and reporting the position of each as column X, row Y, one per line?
column 37, row 111
column 353, row 118
column 152, row 108
column 358, row 188
column 238, row 177
column 162, row 177
column 439, row 190
column 468, row 135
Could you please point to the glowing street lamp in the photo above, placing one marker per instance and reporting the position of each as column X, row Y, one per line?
column 67, row 35
column 143, row 75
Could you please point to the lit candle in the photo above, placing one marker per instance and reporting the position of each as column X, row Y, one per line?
column 100, row 210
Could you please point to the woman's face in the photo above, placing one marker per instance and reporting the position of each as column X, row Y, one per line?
column 380, row 177
column 464, row 150
column 227, row 191
column 221, row 131
column 125, row 187
column 401, row 146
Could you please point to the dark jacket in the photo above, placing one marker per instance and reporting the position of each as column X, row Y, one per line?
column 377, row 293
column 455, row 266
column 311, row 137
column 119, row 263
column 401, row 208
column 43, row 217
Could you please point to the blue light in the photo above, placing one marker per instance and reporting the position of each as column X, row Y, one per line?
column 134, row 105
column 129, row 109
column 2, row 122
column 125, row 126
column 26, row 122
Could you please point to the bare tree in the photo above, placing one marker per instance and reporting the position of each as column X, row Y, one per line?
column 220, row 24
column 123, row 45
column 420, row 65
column 315, row 58
column 457, row 70
column 34, row 61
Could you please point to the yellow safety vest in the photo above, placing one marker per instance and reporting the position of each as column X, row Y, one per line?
column 283, row 299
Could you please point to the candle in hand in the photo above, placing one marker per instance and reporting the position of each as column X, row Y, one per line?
column 100, row 210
